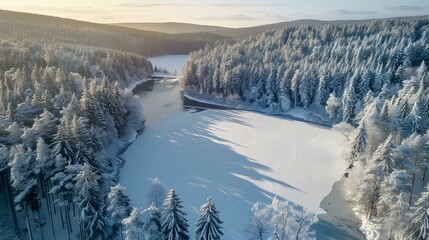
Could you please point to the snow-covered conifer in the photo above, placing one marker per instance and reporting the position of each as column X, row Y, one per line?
column 173, row 222
column 419, row 227
column 358, row 142
column 119, row 204
column 208, row 224
column 133, row 225
column 152, row 223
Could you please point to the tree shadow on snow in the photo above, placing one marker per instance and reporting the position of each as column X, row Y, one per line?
column 190, row 158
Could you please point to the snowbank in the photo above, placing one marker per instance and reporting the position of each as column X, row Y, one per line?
column 317, row 116
column 238, row 158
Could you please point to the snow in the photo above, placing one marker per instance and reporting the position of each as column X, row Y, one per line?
column 313, row 115
column 238, row 158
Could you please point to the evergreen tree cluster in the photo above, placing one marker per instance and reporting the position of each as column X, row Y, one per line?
column 371, row 75
column 306, row 66
column 59, row 116
column 25, row 62
column 168, row 224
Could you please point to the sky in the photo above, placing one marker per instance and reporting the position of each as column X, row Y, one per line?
column 232, row 13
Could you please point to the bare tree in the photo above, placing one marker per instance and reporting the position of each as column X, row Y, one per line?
column 257, row 229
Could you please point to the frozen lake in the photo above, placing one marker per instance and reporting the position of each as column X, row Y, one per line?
column 237, row 157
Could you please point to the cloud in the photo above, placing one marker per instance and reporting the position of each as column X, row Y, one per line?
column 222, row 5
column 408, row 8
column 236, row 17
column 353, row 12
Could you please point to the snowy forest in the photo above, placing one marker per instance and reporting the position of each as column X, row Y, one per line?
column 370, row 79
column 64, row 114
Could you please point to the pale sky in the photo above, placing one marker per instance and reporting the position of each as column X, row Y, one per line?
column 232, row 13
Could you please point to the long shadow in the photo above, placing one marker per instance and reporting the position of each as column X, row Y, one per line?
column 185, row 154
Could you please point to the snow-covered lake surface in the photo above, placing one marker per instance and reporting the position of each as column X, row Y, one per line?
column 238, row 158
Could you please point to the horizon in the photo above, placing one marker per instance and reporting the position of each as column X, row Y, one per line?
column 235, row 14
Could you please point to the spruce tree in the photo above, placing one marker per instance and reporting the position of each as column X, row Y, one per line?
column 152, row 225
column 174, row 224
column 358, row 142
column 208, row 225
column 133, row 225
column 420, row 216
column 119, row 205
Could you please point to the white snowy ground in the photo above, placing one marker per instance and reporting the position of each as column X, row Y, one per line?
column 238, row 158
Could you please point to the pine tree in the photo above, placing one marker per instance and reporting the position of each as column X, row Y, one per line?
column 393, row 205
column 45, row 162
column 93, row 223
column 348, row 103
column 413, row 120
column 152, row 225
column 420, row 216
column 174, row 224
column 322, row 91
column 61, row 141
column 23, row 179
column 208, row 224
column 15, row 133
column 21, row 174
column 133, row 225
column 4, row 158
column 384, row 156
column 295, row 83
column 358, row 142
column 119, row 205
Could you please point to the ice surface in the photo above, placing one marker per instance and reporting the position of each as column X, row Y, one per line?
column 238, row 158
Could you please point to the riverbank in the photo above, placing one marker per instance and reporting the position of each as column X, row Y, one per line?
column 298, row 114
column 339, row 217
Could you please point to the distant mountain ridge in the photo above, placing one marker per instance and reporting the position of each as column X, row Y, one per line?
column 47, row 29
column 237, row 34
column 172, row 27
column 234, row 33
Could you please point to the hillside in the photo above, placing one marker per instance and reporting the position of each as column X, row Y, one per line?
column 172, row 27
column 236, row 34
column 233, row 33
column 54, row 30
